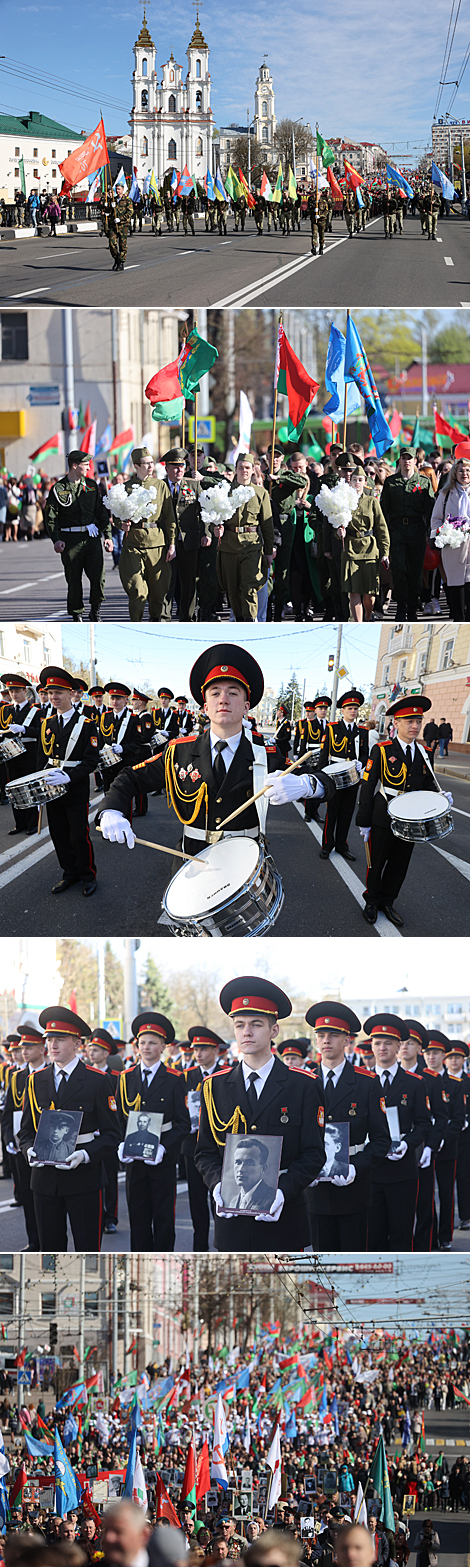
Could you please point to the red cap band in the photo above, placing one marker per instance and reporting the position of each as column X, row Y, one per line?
column 64, row 1028
column 253, row 1004
column 338, row 1023
column 385, row 1028
column 408, row 712
column 292, row 1051
column 101, row 1042
column 200, row 1039
column 435, row 1044
column 221, row 671
column 414, row 1035
column 29, row 1039
column 61, row 681
column 151, row 1028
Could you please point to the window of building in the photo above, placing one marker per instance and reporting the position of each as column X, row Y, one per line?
column 172, row 149
column 198, row 67
column 35, row 152
column 265, row 133
column 199, row 100
column 421, row 665
column 91, row 1303
column 401, row 673
column 17, row 152
column 6, row 1260
column 54, row 173
column 14, row 335
column 48, row 1262
column 91, row 1263
column 6, row 1303
column 264, row 111
column 144, row 67
column 172, row 104
column 145, row 147
column 35, row 174
column 17, row 174
column 144, row 100
column 48, row 1303
column 386, row 676
column 199, row 147
column 447, row 654
column 27, row 651
column 2, row 645
column 53, row 153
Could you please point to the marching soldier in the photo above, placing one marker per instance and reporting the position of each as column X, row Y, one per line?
column 122, row 730
column 148, row 546
column 431, row 214
column 457, row 1054
column 207, row 1048
column 68, row 745
column 72, row 1191
column 20, row 717
column 192, row 534
column 349, row 211
column 260, row 1094
column 184, row 717
column 311, row 730
column 164, row 717
column 395, row 1175
column 160, row 1090
column 94, row 706
column 222, row 209
column 339, row 1205
column 258, row 213
column 295, row 1053
column 407, row 502
column 246, row 546
column 33, row 1045
column 397, row 766
column 413, row 1060
column 390, row 212
column 103, row 1055
column 346, row 741
column 76, row 520
column 156, row 210
column 283, row 731
column 318, row 213
column 188, row 207
column 140, row 703
column 455, row 1098
column 239, row 212
column 120, row 223
column 365, row 210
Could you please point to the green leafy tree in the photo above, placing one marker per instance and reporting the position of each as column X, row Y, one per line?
column 292, row 689
column 79, row 974
column 452, row 346
column 153, row 993
column 286, row 130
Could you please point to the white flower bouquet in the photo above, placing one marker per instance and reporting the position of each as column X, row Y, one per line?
column 452, row 531
column 219, row 504
column 135, row 505
column 337, row 504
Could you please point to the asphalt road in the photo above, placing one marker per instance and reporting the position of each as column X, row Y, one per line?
column 33, row 586
column 322, row 898
column 270, row 270
column 14, row 1234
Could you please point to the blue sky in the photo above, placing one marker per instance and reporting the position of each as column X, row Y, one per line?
column 370, row 73
column 141, row 653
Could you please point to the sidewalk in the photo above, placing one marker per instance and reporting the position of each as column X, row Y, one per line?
column 452, row 766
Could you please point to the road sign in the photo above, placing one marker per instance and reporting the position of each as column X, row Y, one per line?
column 42, row 396
column 205, row 428
column 113, row 1025
column 242, row 1505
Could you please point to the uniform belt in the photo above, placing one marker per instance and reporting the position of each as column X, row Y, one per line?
column 214, row 837
column 167, row 1126
column 240, row 527
column 73, row 530
column 358, row 1147
column 86, row 1137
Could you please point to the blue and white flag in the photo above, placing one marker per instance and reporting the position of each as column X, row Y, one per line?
column 105, row 440
column 94, row 186
column 395, row 177
column 334, row 379
column 135, row 190
column 357, row 369
column 220, row 1445
column 121, row 180
column 147, row 182
column 442, row 182
column 67, row 1489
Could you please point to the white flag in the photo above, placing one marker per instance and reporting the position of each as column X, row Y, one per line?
column 4, row 1463
column 273, row 1461
column 245, row 423
column 360, row 1510
column 139, row 1491
column 218, row 1466
column 247, row 1431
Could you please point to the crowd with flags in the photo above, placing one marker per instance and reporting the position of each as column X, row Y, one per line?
column 320, row 1424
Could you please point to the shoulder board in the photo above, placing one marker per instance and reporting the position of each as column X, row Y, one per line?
column 299, row 1069
column 384, row 742
column 94, row 1069
column 425, row 747
column 113, row 1072
column 88, row 720
column 128, row 1069
column 428, row 1072
column 138, row 765
column 222, row 1070
column 364, row 1071
column 173, row 1071
column 183, row 739
column 363, row 729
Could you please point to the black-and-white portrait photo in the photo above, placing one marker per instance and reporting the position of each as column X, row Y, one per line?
column 143, row 1135
column 336, row 1150
column 250, row 1173
column 56, row 1136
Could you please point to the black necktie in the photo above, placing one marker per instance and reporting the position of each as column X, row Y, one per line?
column 145, row 1080
column 329, row 1089
column 386, row 1080
column 251, row 1093
column 409, row 758
column 218, row 766
column 62, row 1077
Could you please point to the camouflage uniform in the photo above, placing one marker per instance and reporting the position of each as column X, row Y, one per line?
column 119, row 224
column 157, row 215
column 258, row 213
column 318, row 214
column 239, row 212
column 188, row 204
column 349, row 210
column 365, row 213
column 431, row 214
column 222, row 209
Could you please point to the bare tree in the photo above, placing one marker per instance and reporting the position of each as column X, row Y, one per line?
column 285, row 131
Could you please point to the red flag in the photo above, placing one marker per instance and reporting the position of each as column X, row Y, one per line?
column 88, row 1508
column 335, row 188
column 92, row 155
column 249, row 197
column 188, row 1488
column 20, row 1359
column 294, row 381
column 203, row 1481
column 17, row 1487
column 73, row 1001
column 352, row 177
column 165, row 1507
column 165, row 386
column 442, row 427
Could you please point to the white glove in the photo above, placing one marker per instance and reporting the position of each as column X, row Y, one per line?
column 359, row 768
column 117, row 750
column 15, row 729
column 128, row 1159
column 274, row 1211
column 12, row 1148
column 92, row 529
column 55, row 775
column 283, row 788
column 344, row 1180
column 425, row 1159
column 398, row 1152
column 160, row 1155
column 33, row 1161
column 116, row 828
column 365, row 833
column 219, row 1207
column 74, row 1159
column 448, row 796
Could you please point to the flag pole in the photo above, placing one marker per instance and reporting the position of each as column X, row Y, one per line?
column 316, row 192
column 345, row 397
column 195, row 413
column 273, row 437
column 184, row 335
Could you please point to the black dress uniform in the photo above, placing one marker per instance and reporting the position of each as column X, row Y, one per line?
column 72, row 746
column 14, row 1102
column 394, row 1183
column 151, row 1190
column 339, row 1216
column 342, row 742
column 190, row 530
column 71, row 507
column 74, row 1194
column 164, row 717
column 288, row 1106
column 283, row 732
column 463, row 1156
column 184, row 719
column 199, row 1197
column 391, row 770
column 422, row 1239
column 102, row 1037
column 310, row 733
column 27, row 715
column 124, row 729
column 456, row 1099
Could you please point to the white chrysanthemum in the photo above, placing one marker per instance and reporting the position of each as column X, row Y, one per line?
column 135, row 505
column 218, row 505
column 338, row 504
column 452, row 532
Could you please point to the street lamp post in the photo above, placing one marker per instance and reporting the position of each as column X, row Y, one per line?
column 294, row 123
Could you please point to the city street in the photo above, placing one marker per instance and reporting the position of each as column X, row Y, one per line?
column 321, row 898
column 272, row 270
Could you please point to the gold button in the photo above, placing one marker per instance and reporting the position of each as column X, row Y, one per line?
column 252, row 1128
column 329, row 1118
column 218, row 802
column 217, row 818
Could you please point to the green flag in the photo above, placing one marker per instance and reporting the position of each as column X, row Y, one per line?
column 232, row 184
column 378, row 1477
column 22, row 178
column 325, row 152
column 421, row 437
column 196, row 358
column 292, row 188
column 277, row 196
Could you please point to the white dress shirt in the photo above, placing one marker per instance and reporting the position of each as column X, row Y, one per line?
column 68, row 1069
column 392, row 1072
column 263, row 1074
column 150, row 1070
column 228, row 753
column 336, row 1070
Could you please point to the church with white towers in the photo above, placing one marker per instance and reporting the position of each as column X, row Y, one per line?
column 172, row 121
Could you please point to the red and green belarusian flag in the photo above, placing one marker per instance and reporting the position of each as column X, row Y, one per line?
column 277, row 195
column 54, row 447
column 169, row 388
column 422, row 1435
column 246, row 189
column 452, row 432
column 188, row 1488
column 17, row 1487
column 164, row 1505
column 121, row 446
column 164, row 393
column 203, row 1473
column 295, row 383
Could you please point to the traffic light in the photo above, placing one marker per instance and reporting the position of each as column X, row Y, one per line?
column 53, row 1335
column 331, row 663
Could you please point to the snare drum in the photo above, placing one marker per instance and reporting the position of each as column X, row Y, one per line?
column 313, row 751
column 231, row 889
column 342, row 774
column 106, row 757
column 10, row 748
column 33, row 789
column 415, row 817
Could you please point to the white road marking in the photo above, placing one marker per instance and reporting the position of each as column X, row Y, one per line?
column 439, row 241
column 465, row 304
column 136, row 266
column 448, row 261
column 383, row 927
column 459, row 865
column 26, row 292
column 459, row 812
column 39, row 854
column 244, row 295
column 20, row 848
column 23, row 585
column 54, row 254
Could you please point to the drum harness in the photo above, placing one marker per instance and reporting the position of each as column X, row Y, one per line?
column 48, row 747
column 260, row 778
column 389, row 792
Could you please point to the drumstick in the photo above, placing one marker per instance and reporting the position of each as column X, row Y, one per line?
column 254, row 797
column 39, row 820
column 147, row 844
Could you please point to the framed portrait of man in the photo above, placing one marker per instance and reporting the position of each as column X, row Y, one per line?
column 336, row 1150
column 142, row 1139
column 250, row 1172
column 56, row 1136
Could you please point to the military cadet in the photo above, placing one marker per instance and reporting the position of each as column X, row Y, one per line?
column 258, row 212
column 311, row 730
column 400, row 199
column 34, row 1052
column 285, row 489
column 365, row 209
column 350, row 1096
column 149, row 546
column 317, row 208
column 458, row 1052
column 394, row 767
column 395, row 1176
column 94, row 705
column 140, row 703
column 184, row 717
column 168, row 205
column 239, row 212
column 76, row 520
column 349, row 211
column 20, row 718
column 202, row 788
column 407, row 501
column 295, row 1052
column 455, row 1098
column 431, row 213
column 68, row 745
column 156, row 209
column 188, row 208
column 413, row 1060
column 246, row 545
column 222, row 210
column 208, row 1058
column 144, row 734
column 286, row 213
column 346, row 741
column 390, row 212
column 160, row 1090
column 122, row 730
column 192, row 534
column 164, row 717
column 102, row 1053
column 260, row 1094
column 72, row 1191
column 283, row 731
column 120, row 222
